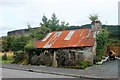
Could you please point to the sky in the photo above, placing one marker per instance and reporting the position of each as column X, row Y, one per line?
column 16, row 14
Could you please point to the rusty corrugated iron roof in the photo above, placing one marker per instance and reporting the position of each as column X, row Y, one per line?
column 67, row 38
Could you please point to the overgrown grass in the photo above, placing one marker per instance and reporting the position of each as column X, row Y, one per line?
column 8, row 61
column 81, row 65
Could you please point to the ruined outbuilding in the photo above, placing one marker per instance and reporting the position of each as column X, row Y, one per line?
column 68, row 46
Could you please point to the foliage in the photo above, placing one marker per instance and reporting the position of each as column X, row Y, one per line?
column 81, row 65
column 62, row 26
column 84, row 64
column 18, row 57
column 114, row 31
column 46, row 26
column 53, row 23
column 18, row 43
column 39, row 33
column 93, row 17
column 4, row 57
column 6, row 43
column 8, row 61
column 45, row 22
column 29, row 44
column 102, row 40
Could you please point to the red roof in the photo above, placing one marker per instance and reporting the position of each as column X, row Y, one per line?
column 67, row 38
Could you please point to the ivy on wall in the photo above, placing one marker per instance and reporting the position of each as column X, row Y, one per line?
column 102, row 40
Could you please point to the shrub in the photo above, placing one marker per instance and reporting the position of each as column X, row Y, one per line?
column 81, row 65
column 84, row 64
column 19, row 56
column 4, row 57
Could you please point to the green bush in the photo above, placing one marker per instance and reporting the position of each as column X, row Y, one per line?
column 84, row 64
column 19, row 56
column 81, row 65
column 4, row 57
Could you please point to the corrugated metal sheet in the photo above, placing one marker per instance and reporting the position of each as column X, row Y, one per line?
column 67, row 38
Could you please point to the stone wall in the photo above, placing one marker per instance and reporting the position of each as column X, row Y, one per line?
column 45, row 58
column 64, row 57
column 75, row 55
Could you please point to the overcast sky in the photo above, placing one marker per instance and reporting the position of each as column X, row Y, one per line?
column 15, row 14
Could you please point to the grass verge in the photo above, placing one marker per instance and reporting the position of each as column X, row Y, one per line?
column 8, row 61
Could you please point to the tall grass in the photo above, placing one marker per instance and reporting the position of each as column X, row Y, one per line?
column 8, row 61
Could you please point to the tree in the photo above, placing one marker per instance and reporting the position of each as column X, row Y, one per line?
column 45, row 22
column 40, row 32
column 48, row 25
column 29, row 45
column 6, row 43
column 62, row 26
column 53, row 22
column 18, row 43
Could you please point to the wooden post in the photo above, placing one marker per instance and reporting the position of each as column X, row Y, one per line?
column 54, row 59
column 69, row 56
